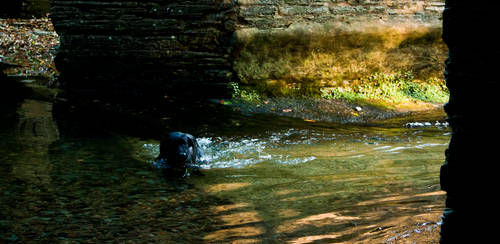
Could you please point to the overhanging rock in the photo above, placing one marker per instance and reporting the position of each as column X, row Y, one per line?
column 144, row 47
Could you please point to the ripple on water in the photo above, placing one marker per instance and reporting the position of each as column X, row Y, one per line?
column 298, row 146
column 240, row 152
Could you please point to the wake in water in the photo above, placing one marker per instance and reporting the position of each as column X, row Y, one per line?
column 297, row 146
column 238, row 153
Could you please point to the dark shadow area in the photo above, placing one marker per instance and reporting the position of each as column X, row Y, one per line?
column 148, row 119
column 24, row 8
column 67, row 176
column 472, row 78
column 144, row 51
column 11, row 96
column 11, row 9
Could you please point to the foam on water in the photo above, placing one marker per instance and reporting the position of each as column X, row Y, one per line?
column 297, row 146
column 221, row 152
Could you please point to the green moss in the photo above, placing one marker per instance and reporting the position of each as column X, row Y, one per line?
column 361, row 62
column 330, row 54
column 394, row 88
column 380, row 89
column 245, row 94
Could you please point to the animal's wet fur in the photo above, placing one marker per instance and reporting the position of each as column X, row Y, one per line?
column 179, row 154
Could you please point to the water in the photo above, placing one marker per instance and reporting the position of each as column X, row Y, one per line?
column 267, row 179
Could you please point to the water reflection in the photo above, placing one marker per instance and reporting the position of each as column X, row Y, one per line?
column 57, row 187
column 35, row 131
column 365, row 185
column 278, row 183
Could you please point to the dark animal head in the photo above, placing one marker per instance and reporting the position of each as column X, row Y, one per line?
column 177, row 149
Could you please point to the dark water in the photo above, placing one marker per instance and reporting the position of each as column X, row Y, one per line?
column 267, row 179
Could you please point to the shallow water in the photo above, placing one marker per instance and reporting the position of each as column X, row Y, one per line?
column 271, row 180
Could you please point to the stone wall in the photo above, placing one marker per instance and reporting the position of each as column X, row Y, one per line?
column 282, row 13
column 171, row 45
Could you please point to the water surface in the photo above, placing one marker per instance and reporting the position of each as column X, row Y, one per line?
column 267, row 179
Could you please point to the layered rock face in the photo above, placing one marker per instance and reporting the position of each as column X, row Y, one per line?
column 282, row 13
column 128, row 47
column 173, row 46
column 336, row 41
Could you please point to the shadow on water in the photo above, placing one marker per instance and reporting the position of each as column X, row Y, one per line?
column 78, row 182
column 85, row 175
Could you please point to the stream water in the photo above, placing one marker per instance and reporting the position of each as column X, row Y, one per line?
column 267, row 179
